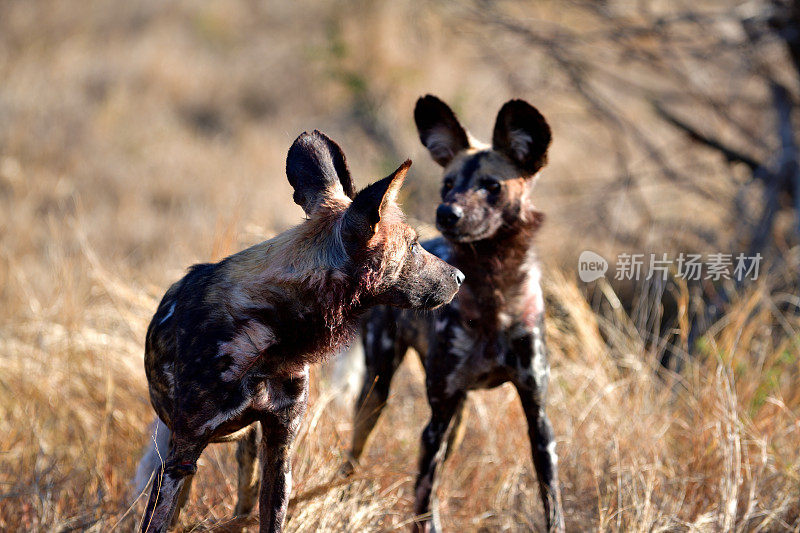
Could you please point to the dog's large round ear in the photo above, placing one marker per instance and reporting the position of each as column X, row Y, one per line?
column 439, row 129
column 523, row 135
column 317, row 169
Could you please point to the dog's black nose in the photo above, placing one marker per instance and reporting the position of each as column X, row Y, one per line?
column 459, row 277
column 447, row 215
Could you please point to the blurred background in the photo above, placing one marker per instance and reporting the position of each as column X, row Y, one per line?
column 137, row 138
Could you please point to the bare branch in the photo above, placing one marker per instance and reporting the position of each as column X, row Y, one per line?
column 730, row 154
column 788, row 167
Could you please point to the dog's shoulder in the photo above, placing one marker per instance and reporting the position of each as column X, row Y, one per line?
column 193, row 304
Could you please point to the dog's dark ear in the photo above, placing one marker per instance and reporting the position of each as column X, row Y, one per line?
column 522, row 134
column 317, row 169
column 370, row 205
column 439, row 129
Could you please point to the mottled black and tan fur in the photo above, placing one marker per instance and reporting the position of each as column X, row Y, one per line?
column 231, row 343
column 493, row 331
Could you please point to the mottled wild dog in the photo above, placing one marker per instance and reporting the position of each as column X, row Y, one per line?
column 231, row 343
column 493, row 331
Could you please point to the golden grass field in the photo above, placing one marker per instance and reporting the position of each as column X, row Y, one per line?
column 139, row 138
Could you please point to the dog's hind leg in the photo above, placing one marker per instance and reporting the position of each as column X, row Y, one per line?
column 432, row 455
column 247, row 457
column 383, row 352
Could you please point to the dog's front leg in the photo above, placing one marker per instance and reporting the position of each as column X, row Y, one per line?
column 181, row 462
column 183, row 497
column 531, row 383
column 276, row 481
column 278, row 433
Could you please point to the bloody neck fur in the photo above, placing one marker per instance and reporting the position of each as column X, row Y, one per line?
column 312, row 306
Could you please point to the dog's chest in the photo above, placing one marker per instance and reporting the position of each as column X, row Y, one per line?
column 470, row 350
column 501, row 304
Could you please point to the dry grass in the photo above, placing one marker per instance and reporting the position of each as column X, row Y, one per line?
column 137, row 140
column 714, row 451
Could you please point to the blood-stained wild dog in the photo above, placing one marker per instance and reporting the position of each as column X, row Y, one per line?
column 493, row 331
column 231, row 343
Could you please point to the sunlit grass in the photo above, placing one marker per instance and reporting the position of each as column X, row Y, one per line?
column 138, row 139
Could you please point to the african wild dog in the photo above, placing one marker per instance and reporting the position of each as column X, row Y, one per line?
column 493, row 331
column 231, row 342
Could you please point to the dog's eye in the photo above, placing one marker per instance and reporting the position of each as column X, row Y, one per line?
column 414, row 247
column 491, row 185
column 447, row 185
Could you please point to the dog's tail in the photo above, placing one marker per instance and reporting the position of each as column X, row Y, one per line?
column 154, row 456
